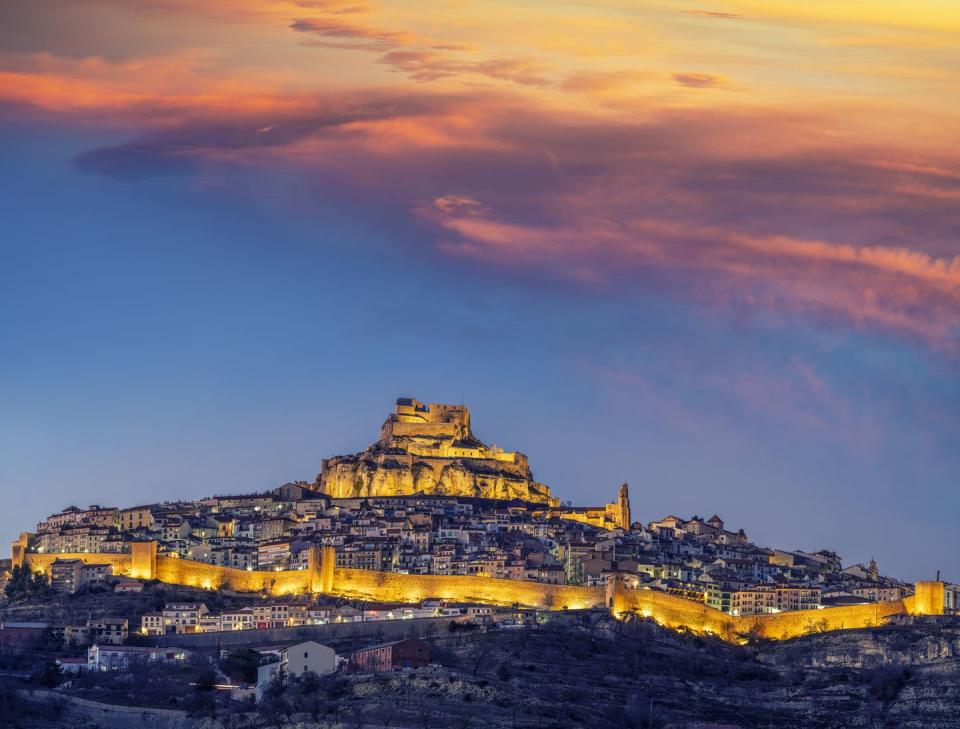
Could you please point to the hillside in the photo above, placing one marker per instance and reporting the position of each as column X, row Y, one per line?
column 586, row 670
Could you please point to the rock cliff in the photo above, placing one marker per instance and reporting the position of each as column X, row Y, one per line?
column 430, row 449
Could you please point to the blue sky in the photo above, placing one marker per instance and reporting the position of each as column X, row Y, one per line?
column 169, row 338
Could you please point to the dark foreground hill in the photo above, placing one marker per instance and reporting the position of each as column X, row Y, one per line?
column 591, row 671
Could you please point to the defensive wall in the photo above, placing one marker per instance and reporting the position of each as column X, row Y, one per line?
column 323, row 577
column 393, row 587
column 677, row 612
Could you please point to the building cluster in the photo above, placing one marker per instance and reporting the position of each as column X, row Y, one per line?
column 699, row 559
column 193, row 617
column 278, row 665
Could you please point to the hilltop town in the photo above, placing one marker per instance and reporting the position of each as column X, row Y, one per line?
column 405, row 506
column 428, row 525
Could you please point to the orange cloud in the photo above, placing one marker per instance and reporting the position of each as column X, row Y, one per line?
column 354, row 33
column 698, row 80
column 784, row 202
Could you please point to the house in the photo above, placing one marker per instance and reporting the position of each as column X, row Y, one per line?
column 241, row 619
column 152, row 624
column 875, row 592
column 183, row 617
column 69, row 575
column 410, row 653
column 109, row 631
column 20, row 634
column 210, row 624
column 127, row 585
column 762, row 599
column 72, row 664
column 951, row 598
column 295, row 660
column 115, row 658
column 347, row 614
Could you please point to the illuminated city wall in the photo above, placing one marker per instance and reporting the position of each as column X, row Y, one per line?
column 213, row 577
column 676, row 612
column 41, row 562
column 801, row 622
column 670, row 611
column 393, row 587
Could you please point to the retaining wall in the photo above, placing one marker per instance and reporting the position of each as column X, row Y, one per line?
column 388, row 629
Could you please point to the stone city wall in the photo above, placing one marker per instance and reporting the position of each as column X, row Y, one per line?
column 321, row 576
column 393, row 587
column 214, row 577
column 676, row 612
column 41, row 562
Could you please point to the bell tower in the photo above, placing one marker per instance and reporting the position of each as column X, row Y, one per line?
column 623, row 501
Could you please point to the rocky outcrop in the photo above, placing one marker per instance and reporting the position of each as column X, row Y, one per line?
column 430, row 449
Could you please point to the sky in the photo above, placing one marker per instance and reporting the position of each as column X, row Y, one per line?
column 710, row 249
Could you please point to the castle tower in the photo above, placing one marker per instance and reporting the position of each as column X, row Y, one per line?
column 143, row 560
column 18, row 553
column 928, row 598
column 321, row 562
column 874, row 573
column 623, row 502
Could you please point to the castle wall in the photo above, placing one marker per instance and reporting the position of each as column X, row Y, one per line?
column 801, row 622
column 673, row 612
column 431, row 428
column 670, row 611
column 392, row 587
column 41, row 562
column 676, row 612
column 214, row 577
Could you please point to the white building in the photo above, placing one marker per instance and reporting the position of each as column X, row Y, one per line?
column 951, row 598
column 295, row 660
column 115, row 657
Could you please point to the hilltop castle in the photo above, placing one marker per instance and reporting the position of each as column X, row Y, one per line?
column 430, row 449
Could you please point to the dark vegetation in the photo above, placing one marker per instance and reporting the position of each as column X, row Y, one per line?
column 587, row 670
column 24, row 585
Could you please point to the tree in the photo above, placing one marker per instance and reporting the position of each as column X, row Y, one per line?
column 206, row 680
column 52, row 639
column 18, row 586
column 241, row 664
column 50, row 674
column 24, row 584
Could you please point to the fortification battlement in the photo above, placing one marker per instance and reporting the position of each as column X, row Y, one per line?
column 413, row 418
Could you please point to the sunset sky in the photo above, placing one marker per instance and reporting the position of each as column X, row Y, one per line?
column 709, row 249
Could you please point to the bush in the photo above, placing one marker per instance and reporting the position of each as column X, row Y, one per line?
column 241, row 665
column 886, row 683
column 49, row 675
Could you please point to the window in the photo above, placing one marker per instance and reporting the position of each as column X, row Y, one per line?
column 306, row 655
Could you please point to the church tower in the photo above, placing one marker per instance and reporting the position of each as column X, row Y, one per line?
column 623, row 501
